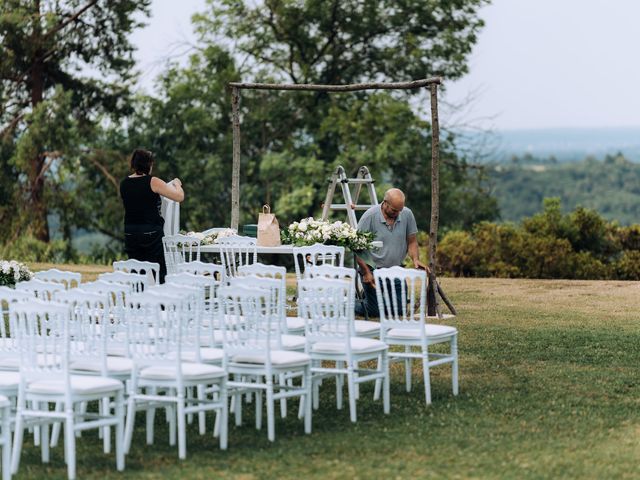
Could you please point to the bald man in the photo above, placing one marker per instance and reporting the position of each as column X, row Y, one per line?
column 393, row 224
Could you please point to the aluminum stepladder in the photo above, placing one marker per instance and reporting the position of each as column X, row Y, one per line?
column 350, row 205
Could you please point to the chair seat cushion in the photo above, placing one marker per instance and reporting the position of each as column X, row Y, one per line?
column 80, row 384
column 207, row 355
column 9, row 380
column 358, row 345
column 364, row 327
column 432, row 330
column 280, row 358
column 190, row 371
column 295, row 323
column 292, row 342
column 115, row 365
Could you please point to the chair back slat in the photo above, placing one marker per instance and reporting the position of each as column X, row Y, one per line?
column 41, row 332
column 237, row 251
column 179, row 249
column 318, row 254
column 327, row 308
column 150, row 269
column 401, row 295
column 59, row 276
column 40, row 289
column 247, row 322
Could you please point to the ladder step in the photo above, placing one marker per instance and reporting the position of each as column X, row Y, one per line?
column 343, row 206
column 360, row 180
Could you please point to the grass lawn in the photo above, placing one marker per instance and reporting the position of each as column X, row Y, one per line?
column 550, row 388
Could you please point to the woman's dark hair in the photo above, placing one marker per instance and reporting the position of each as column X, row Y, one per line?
column 141, row 161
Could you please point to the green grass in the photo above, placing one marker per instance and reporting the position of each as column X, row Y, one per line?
column 550, row 388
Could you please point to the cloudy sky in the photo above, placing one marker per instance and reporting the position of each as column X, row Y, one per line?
column 538, row 63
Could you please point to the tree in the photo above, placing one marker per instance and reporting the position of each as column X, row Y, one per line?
column 47, row 47
column 307, row 134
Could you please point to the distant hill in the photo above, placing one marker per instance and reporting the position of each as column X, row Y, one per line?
column 564, row 144
column 611, row 187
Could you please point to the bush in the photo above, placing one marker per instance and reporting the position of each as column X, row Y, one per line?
column 29, row 249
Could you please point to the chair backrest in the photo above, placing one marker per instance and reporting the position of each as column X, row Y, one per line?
column 137, row 281
column 8, row 296
column 151, row 269
column 170, row 211
column 154, row 330
column 59, row 276
column 198, row 267
column 331, row 271
column 327, row 307
column 247, row 322
column 117, row 294
column 401, row 294
column 236, row 251
column 318, row 254
column 89, row 328
column 41, row 332
column 180, row 249
column 40, row 289
column 277, row 297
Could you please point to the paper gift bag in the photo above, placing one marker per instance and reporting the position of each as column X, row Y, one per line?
column 268, row 228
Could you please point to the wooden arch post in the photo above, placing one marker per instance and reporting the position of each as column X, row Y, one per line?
column 430, row 83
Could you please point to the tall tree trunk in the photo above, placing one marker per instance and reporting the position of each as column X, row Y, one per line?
column 37, row 207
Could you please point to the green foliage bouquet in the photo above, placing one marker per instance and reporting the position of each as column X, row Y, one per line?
column 309, row 231
column 12, row 272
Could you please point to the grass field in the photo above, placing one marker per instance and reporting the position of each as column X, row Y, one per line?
column 550, row 388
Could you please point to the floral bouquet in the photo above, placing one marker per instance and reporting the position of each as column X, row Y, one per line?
column 309, row 231
column 212, row 238
column 12, row 272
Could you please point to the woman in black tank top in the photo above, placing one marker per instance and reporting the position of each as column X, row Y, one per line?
column 143, row 225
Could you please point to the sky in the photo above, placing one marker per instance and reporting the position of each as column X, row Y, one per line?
column 537, row 63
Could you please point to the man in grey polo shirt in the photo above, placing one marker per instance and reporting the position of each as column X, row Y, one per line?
column 393, row 224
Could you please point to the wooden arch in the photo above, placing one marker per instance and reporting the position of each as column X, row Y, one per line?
column 430, row 83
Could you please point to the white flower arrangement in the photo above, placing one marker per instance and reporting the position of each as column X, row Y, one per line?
column 309, row 231
column 212, row 238
column 12, row 272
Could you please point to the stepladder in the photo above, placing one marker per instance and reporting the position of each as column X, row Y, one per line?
column 340, row 180
column 352, row 203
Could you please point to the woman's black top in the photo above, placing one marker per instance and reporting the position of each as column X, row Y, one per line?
column 141, row 204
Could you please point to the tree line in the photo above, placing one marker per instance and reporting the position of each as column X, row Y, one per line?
column 65, row 135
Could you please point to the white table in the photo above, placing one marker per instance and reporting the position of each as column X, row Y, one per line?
column 282, row 249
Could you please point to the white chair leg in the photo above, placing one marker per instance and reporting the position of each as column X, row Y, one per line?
column 283, row 401
column 307, row 400
column 36, row 428
column 105, row 405
column 378, row 384
column 224, row 416
column 17, row 439
column 258, row 409
column 407, row 369
column 182, row 427
column 351, row 384
column 70, row 439
column 170, row 412
column 339, row 383
column 237, row 400
column 119, row 413
column 427, row 378
column 131, row 418
column 150, row 419
column 386, row 397
column 202, row 426
column 271, row 421
column 57, row 426
column 44, row 441
column 6, row 447
column 454, row 364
